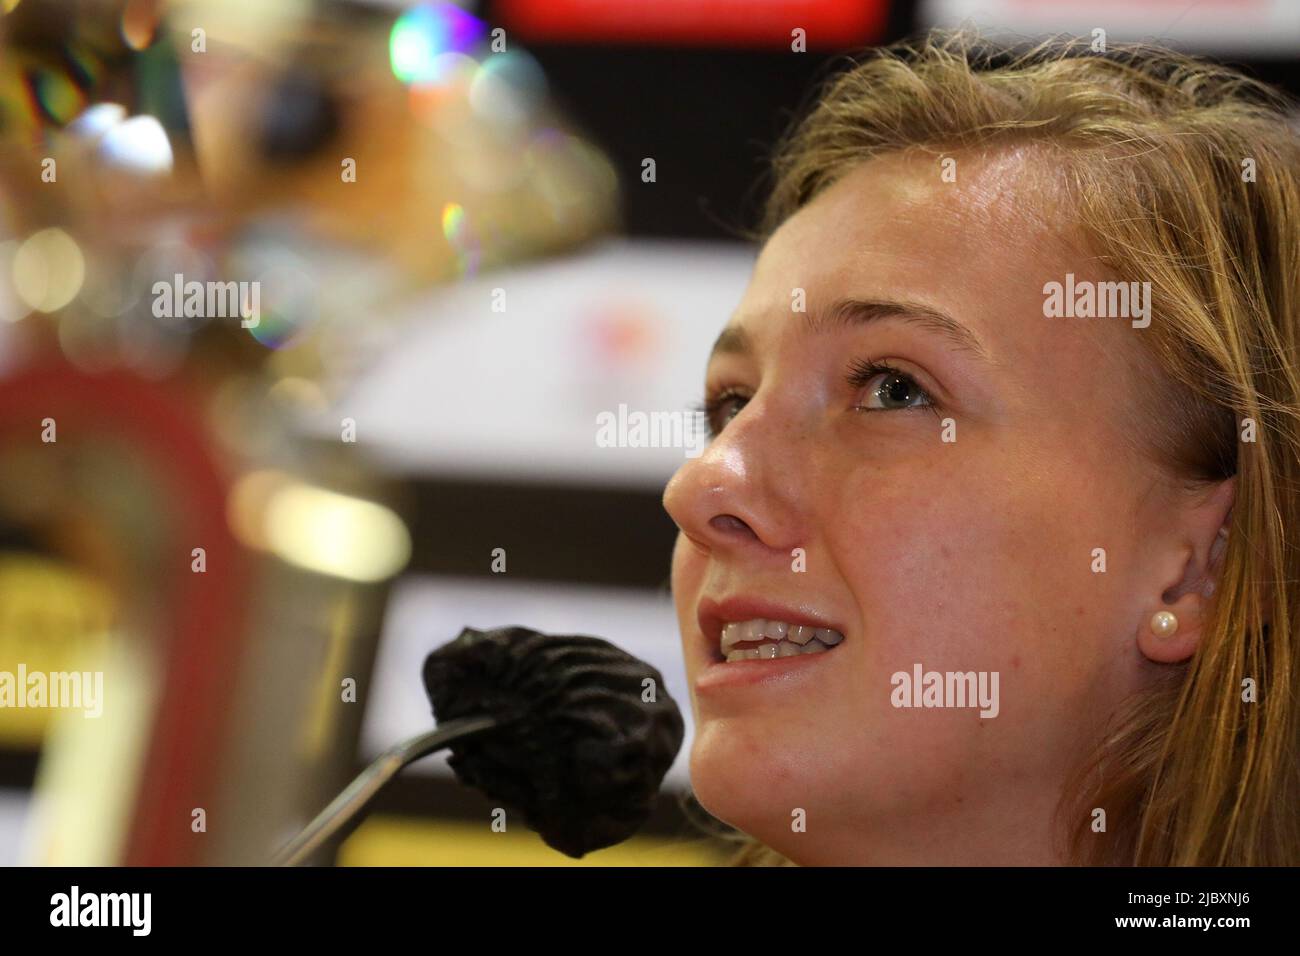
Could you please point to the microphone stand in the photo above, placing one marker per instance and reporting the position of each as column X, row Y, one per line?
column 358, row 794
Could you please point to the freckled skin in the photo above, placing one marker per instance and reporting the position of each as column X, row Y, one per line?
column 968, row 555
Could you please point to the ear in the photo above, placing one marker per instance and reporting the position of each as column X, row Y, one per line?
column 1194, row 563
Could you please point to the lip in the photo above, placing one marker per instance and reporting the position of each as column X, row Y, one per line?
column 715, row 674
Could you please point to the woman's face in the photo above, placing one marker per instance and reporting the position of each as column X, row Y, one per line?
column 944, row 514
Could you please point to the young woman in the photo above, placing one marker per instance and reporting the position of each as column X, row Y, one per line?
column 992, row 558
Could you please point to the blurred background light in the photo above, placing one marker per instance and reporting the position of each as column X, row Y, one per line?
column 97, row 119
column 288, row 306
column 48, row 270
column 56, row 94
column 138, row 145
column 12, row 307
column 319, row 530
column 507, row 89
column 140, row 21
column 456, row 229
column 421, row 36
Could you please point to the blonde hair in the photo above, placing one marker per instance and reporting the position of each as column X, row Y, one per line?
column 1157, row 151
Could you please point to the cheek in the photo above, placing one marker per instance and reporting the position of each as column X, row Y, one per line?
column 994, row 577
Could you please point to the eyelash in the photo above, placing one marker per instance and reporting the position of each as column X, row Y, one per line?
column 712, row 407
column 860, row 373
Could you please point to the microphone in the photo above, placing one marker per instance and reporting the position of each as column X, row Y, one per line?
column 569, row 730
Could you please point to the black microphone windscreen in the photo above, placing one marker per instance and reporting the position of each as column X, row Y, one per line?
column 589, row 730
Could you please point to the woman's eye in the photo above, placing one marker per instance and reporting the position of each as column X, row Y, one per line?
column 889, row 389
column 722, row 408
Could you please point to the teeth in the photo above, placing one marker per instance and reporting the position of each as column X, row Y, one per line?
column 781, row 639
column 779, row 649
column 829, row 636
column 802, row 633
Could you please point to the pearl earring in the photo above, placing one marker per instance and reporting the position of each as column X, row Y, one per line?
column 1164, row 624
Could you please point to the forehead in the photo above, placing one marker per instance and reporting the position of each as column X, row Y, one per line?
column 897, row 219
column 979, row 248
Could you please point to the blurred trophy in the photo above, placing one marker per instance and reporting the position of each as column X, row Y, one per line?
column 209, row 209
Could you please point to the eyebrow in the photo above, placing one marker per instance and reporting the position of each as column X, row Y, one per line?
column 734, row 340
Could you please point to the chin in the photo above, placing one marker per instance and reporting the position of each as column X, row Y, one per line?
column 745, row 780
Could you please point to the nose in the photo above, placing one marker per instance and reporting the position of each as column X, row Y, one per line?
column 739, row 493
